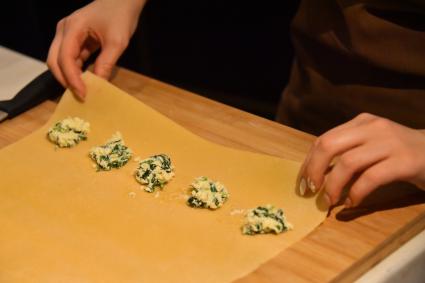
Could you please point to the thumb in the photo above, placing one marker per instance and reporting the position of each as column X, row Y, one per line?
column 107, row 58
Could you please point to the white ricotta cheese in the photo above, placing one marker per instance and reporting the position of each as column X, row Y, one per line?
column 207, row 193
column 113, row 154
column 69, row 132
column 265, row 219
column 154, row 172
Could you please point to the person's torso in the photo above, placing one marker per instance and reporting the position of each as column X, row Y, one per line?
column 353, row 57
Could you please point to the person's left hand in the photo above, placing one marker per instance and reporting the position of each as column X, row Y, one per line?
column 370, row 151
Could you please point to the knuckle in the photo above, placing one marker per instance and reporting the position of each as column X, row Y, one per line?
column 72, row 21
column 348, row 162
column 370, row 178
column 365, row 115
column 60, row 25
column 118, row 42
column 324, row 143
column 382, row 124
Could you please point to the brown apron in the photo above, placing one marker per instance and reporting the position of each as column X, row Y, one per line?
column 354, row 57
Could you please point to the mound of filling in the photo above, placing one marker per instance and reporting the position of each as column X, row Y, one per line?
column 69, row 132
column 113, row 154
column 207, row 194
column 154, row 172
column 265, row 219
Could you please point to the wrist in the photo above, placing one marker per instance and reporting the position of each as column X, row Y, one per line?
column 132, row 6
column 136, row 5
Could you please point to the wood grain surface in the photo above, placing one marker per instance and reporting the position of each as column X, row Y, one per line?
column 346, row 245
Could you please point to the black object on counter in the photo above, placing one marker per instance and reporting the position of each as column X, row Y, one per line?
column 38, row 90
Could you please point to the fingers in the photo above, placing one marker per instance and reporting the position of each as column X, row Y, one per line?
column 369, row 150
column 108, row 24
column 327, row 147
column 52, row 57
column 108, row 57
column 350, row 163
column 373, row 177
column 69, row 56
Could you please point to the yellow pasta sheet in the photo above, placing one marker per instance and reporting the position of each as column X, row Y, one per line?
column 61, row 221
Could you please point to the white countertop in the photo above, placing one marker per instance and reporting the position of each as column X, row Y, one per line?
column 405, row 265
column 16, row 71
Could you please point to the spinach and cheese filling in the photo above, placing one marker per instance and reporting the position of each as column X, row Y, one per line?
column 207, row 193
column 69, row 132
column 113, row 154
column 154, row 172
column 265, row 219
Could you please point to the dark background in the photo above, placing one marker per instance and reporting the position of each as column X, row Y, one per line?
column 237, row 52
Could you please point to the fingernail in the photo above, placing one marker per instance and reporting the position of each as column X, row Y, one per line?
column 327, row 199
column 303, row 186
column 75, row 91
column 348, row 203
column 311, row 185
column 77, row 94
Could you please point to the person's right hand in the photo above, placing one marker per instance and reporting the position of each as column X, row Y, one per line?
column 367, row 152
column 104, row 24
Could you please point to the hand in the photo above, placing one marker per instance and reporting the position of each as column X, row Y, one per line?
column 105, row 24
column 369, row 150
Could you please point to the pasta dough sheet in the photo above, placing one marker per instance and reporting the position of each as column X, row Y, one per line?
column 61, row 221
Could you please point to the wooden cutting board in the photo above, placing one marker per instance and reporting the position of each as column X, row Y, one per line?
column 347, row 244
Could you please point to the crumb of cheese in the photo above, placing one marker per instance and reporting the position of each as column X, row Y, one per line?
column 237, row 211
column 113, row 154
column 265, row 219
column 154, row 172
column 69, row 132
column 207, row 193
